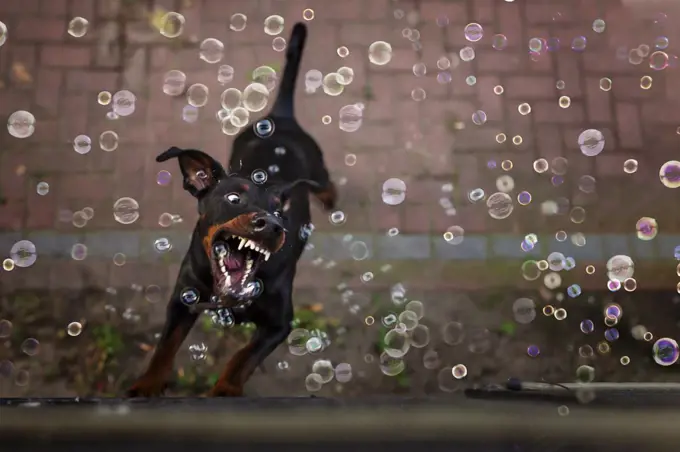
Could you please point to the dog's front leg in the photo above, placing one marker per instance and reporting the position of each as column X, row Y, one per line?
column 178, row 323
column 242, row 365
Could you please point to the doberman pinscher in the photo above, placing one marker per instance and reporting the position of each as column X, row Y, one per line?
column 251, row 231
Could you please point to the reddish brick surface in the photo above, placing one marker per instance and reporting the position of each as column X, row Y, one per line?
column 429, row 143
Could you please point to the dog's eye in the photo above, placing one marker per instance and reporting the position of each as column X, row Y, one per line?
column 201, row 174
column 233, row 198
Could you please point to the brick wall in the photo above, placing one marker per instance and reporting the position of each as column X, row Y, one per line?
column 427, row 144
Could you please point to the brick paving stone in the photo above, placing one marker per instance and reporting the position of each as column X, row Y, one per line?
column 57, row 78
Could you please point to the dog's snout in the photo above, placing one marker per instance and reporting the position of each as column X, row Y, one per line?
column 267, row 223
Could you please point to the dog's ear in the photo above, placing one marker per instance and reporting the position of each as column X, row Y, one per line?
column 200, row 171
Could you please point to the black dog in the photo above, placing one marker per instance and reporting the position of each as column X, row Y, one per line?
column 244, row 250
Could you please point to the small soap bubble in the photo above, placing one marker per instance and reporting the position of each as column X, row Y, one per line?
column 8, row 265
column 666, row 351
column 264, row 128
column 163, row 178
column 535, row 44
column 533, row 351
column 599, row 26
column 499, row 42
column 225, row 74
column 467, row 54
column 591, row 142
column 661, row 42
column 333, row 84
column 337, row 217
column 104, row 98
column 479, row 117
column 313, row 382
column 473, row 32
column 108, row 141
column 21, row 124
column 197, row 95
column 611, row 334
column 273, row 25
column 259, row 176
column 23, row 253
column 74, row 329
column 171, row 24
column 646, row 82
column 630, row 166
column 119, row 259
column 162, row 245
column 380, row 53
column 553, row 44
column 459, row 371
column 42, row 188
column 314, row 345
column 198, row 352
column 124, row 103
column 79, row 252
column 605, row 84
column 82, row 144
column 579, row 43
column 585, row 374
column 647, row 228
column 669, row 173
column 659, row 60
column 238, row 22
column 77, row 27
column 587, row 326
column 3, row 33
column 174, row 82
column 189, row 296
column 279, row 44
column 30, row 346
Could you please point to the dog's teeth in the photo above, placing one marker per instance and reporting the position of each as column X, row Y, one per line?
column 246, row 274
column 242, row 242
column 267, row 255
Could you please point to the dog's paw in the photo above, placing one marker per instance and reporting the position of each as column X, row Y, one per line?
column 223, row 389
column 147, row 387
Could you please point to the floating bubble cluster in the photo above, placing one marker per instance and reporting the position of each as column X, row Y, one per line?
column 560, row 264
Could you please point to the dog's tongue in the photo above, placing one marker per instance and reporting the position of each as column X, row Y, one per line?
column 234, row 261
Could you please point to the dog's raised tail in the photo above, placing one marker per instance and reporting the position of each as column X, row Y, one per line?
column 284, row 104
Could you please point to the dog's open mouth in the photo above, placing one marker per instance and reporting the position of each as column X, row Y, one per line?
column 234, row 263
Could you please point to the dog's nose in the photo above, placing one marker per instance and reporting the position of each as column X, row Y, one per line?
column 267, row 223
